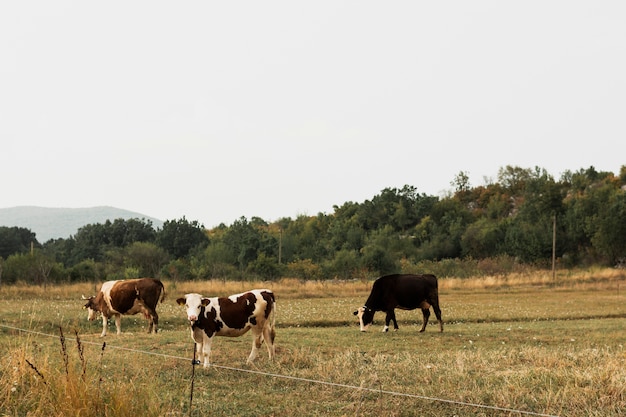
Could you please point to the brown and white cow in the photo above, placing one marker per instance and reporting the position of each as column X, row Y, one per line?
column 231, row 316
column 127, row 297
column 403, row 291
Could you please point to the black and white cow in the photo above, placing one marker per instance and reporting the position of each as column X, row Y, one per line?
column 127, row 297
column 231, row 316
column 406, row 292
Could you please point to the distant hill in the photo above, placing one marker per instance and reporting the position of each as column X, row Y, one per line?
column 54, row 223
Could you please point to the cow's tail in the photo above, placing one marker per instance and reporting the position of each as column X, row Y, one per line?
column 162, row 298
column 272, row 319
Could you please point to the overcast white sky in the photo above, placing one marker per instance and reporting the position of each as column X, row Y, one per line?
column 217, row 110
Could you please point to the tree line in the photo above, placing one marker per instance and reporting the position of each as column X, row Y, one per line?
column 508, row 223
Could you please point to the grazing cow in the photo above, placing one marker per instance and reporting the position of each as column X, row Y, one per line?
column 127, row 297
column 406, row 292
column 231, row 316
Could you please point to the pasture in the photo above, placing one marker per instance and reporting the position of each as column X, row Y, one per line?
column 511, row 346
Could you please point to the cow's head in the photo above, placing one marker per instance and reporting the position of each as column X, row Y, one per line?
column 92, row 311
column 193, row 304
column 366, row 317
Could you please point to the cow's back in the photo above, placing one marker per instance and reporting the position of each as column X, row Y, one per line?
column 403, row 290
column 124, row 294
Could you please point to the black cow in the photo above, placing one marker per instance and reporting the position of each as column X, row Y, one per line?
column 406, row 292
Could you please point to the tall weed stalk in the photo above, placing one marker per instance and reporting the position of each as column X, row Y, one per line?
column 35, row 384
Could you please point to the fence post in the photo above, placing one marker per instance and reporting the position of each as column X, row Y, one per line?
column 194, row 362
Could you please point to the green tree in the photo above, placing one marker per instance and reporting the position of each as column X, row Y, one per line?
column 304, row 269
column 15, row 240
column 345, row 232
column 588, row 195
column 177, row 270
column 286, row 241
column 219, row 259
column 85, row 271
column 514, row 179
column 610, row 228
column 265, row 267
column 344, row 265
column 32, row 268
column 377, row 259
column 461, row 182
column 244, row 241
column 63, row 251
column 529, row 241
column 483, row 238
column 438, row 236
column 529, row 231
column 310, row 238
column 147, row 257
column 90, row 242
column 268, row 237
column 179, row 237
column 125, row 232
column 400, row 208
column 383, row 250
column 622, row 175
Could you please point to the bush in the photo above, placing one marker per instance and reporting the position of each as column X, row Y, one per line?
column 304, row 269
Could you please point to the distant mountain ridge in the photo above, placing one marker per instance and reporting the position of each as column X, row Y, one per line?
column 54, row 223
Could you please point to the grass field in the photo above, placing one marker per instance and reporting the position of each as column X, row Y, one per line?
column 511, row 346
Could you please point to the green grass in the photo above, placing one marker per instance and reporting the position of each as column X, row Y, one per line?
column 540, row 349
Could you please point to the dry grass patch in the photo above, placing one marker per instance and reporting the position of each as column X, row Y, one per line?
column 286, row 288
column 595, row 278
column 37, row 382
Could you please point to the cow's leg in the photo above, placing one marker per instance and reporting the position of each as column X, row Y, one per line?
column 269, row 340
column 203, row 346
column 154, row 320
column 257, row 341
column 426, row 314
column 438, row 314
column 118, row 323
column 391, row 316
column 204, row 351
column 105, row 323
column 200, row 353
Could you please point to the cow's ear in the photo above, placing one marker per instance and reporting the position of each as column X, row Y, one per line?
column 206, row 302
column 181, row 301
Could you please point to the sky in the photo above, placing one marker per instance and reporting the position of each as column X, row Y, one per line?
column 216, row 110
